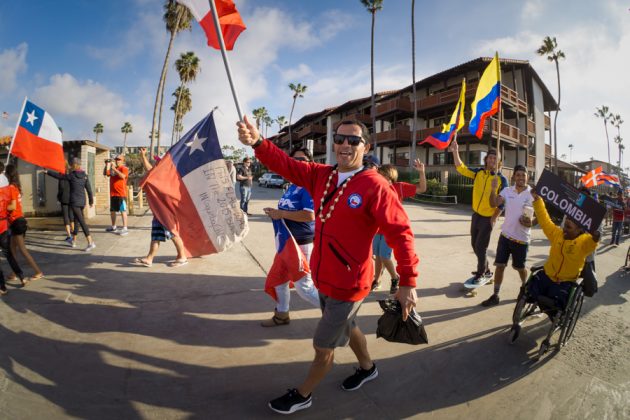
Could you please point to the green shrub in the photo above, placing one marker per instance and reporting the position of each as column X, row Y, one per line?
column 435, row 187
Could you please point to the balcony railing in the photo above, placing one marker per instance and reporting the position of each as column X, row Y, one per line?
column 400, row 134
column 531, row 127
column 319, row 149
column 547, row 122
column 311, row 129
column 531, row 161
column 547, row 149
column 511, row 97
column 364, row 118
column 400, row 104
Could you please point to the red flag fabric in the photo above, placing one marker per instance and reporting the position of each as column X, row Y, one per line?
column 289, row 264
column 590, row 179
column 37, row 139
column 230, row 20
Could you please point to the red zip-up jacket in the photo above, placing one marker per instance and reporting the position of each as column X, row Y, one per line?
column 341, row 262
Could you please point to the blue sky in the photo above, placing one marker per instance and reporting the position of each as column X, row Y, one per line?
column 86, row 61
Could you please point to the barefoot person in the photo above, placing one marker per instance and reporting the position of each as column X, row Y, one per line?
column 159, row 233
column 484, row 216
column 351, row 204
column 515, row 231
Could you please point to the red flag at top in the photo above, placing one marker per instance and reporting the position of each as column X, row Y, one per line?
column 230, row 20
column 591, row 178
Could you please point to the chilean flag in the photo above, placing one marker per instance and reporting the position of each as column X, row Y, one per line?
column 230, row 20
column 37, row 139
column 289, row 264
column 191, row 194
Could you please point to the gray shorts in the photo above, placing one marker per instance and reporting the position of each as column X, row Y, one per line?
column 338, row 319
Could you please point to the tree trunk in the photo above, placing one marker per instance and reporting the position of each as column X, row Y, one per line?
column 125, row 144
column 555, row 122
column 179, row 98
column 607, row 140
column 291, row 116
column 413, row 78
column 373, row 110
column 160, row 91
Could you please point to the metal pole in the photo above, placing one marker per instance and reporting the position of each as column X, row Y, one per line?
column 217, row 28
column 16, row 129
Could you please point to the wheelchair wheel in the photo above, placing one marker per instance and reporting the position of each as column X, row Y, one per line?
column 627, row 265
column 544, row 348
column 523, row 309
column 571, row 316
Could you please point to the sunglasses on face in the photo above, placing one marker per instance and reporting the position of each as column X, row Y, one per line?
column 301, row 159
column 352, row 140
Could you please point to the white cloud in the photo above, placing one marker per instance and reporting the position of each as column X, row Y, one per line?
column 12, row 64
column 85, row 103
column 296, row 73
column 532, row 9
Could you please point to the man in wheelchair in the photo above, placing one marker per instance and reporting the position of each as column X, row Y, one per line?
column 570, row 245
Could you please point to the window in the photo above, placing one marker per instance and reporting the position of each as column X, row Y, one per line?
column 443, row 158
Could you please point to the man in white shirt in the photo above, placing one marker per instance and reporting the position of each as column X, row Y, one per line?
column 516, row 229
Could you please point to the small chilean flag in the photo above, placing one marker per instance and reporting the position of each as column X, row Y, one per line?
column 289, row 264
column 230, row 20
column 37, row 139
column 190, row 192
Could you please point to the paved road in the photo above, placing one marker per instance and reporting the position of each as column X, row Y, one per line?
column 102, row 338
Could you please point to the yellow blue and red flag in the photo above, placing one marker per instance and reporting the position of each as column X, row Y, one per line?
column 488, row 97
column 442, row 139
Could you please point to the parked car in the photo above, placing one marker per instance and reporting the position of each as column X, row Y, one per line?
column 271, row 180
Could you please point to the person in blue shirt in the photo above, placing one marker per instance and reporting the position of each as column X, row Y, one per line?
column 296, row 208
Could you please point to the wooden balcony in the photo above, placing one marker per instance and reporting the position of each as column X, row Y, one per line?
column 531, row 161
column 364, row 118
column 319, row 149
column 400, row 105
column 531, row 127
column 311, row 129
column 547, row 123
column 547, row 150
column 508, row 132
column 523, row 140
column 398, row 134
column 510, row 96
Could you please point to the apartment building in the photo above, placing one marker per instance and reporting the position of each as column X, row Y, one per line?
column 524, row 128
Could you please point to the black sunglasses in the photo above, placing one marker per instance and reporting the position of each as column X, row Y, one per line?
column 352, row 140
column 301, row 159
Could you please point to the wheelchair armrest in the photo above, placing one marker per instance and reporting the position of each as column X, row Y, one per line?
column 536, row 268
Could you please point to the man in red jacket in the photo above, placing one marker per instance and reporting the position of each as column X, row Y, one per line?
column 351, row 204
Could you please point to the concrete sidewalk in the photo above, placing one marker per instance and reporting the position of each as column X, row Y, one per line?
column 102, row 338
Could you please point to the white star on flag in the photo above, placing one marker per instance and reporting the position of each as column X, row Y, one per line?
column 196, row 144
column 30, row 117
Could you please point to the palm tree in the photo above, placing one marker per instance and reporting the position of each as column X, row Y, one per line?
column 259, row 115
column 606, row 115
column 616, row 121
column 98, row 129
column 563, row 156
column 413, row 81
column 268, row 121
column 372, row 6
column 570, row 151
column 187, row 66
column 181, row 106
column 298, row 92
column 177, row 18
column 126, row 129
column 619, row 140
column 550, row 49
column 282, row 121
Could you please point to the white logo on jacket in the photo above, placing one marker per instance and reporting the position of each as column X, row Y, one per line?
column 355, row 200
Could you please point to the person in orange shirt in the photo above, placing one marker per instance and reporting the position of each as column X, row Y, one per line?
column 17, row 222
column 118, row 174
column 5, row 198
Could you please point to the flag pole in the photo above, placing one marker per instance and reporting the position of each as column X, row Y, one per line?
column 16, row 129
column 496, row 54
column 226, row 62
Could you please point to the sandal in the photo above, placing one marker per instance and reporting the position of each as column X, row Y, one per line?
column 143, row 261
column 37, row 276
column 178, row 263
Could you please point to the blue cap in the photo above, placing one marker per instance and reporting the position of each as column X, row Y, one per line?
column 371, row 161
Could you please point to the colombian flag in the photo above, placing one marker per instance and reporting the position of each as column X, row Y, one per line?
column 38, row 140
column 442, row 139
column 488, row 97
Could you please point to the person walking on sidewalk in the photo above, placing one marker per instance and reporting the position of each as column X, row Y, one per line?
column 484, row 216
column 382, row 251
column 63, row 196
column 515, row 231
column 79, row 185
column 5, row 245
column 17, row 223
column 159, row 233
column 618, row 217
column 118, row 174
column 351, row 204
column 244, row 177
column 296, row 209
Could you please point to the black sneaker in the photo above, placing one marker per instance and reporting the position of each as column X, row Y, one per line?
column 361, row 376
column 491, row 301
column 394, row 287
column 290, row 402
